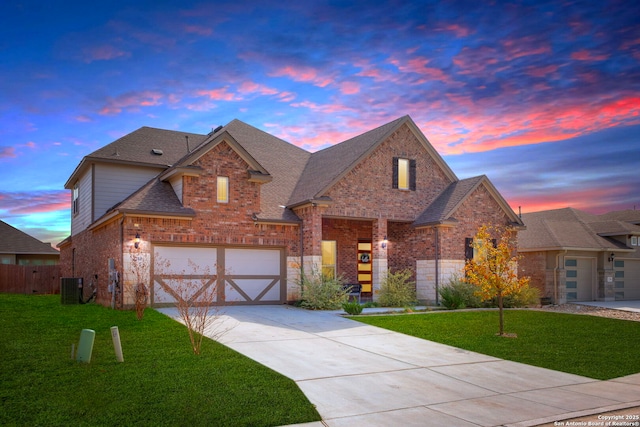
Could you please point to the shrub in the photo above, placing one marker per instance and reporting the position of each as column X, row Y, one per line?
column 458, row 294
column 396, row 290
column 371, row 304
column 525, row 296
column 352, row 308
column 320, row 292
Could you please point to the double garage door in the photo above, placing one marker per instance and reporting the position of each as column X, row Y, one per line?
column 223, row 275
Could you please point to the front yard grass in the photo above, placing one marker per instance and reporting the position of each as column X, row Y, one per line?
column 590, row 346
column 161, row 381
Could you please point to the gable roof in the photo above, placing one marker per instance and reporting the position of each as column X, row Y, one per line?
column 571, row 229
column 444, row 207
column 14, row 241
column 628, row 215
column 326, row 167
column 137, row 148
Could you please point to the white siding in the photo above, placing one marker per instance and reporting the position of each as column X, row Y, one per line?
column 114, row 183
column 82, row 219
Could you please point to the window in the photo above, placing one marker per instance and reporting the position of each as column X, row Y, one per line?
column 223, row 189
column 75, row 198
column 473, row 253
column 329, row 258
column 404, row 174
column 634, row 240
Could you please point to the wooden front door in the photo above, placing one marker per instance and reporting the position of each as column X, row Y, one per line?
column 365, row 259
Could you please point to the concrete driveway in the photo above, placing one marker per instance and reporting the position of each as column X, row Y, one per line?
column 360, row 375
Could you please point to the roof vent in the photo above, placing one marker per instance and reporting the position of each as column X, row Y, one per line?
column 157, row 152
column 215, row 130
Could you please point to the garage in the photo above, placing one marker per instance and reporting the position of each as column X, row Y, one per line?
column 232, row 275
column 580, row 279
column 627, row 279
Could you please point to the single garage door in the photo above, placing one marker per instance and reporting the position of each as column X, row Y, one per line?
column 580, row 279
column 238, row 275
column 627, row 279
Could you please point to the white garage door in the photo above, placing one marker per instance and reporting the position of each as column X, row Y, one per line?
column 234, row 275
column 580, row 279
column 627, row 279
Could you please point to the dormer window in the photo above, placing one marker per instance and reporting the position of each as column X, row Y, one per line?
column 404, row 174
column 223, row 189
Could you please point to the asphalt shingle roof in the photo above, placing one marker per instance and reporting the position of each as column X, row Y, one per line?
column 14, row 241
column 569, row 228
column 444, row 206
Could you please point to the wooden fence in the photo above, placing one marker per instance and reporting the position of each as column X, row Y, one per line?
column 29, row 279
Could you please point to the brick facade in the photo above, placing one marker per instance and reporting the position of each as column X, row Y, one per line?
column 363, row 206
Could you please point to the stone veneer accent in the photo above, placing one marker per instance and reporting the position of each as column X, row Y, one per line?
column 426, row 276
column 379, row 271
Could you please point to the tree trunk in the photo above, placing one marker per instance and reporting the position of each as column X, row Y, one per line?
column 501, row 313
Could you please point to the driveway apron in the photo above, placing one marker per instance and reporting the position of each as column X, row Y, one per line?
column 356, row 374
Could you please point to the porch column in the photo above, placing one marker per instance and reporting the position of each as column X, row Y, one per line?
column 311, row 237
column 380, row 264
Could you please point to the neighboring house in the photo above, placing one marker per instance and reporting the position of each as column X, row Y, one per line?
column 251, row 211
column 17, row 247
column 575, row 256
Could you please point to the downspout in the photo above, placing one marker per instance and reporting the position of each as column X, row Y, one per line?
column 113, row 294
column 437, row 262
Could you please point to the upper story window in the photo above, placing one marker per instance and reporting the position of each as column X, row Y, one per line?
column 634, row 240
column 223, row 189
column 75, row 199
column 404, row 174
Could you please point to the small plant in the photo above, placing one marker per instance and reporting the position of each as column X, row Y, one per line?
column 320, row 292
column 352, row 308
column 371, row 304
column 397, row 290
column 524, row 297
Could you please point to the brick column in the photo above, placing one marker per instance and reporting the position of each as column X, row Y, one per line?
column 380, row 262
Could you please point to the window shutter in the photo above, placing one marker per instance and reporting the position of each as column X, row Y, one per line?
column 468, row 248
column 395, row 173
column 412, row 175
column 494, row 242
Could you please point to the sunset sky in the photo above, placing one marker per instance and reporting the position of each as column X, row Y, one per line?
column 542, row 97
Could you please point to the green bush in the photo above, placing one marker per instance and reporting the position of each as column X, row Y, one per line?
column 320, row 292
column 352, row 307
column 459, row 294
column 526, row 296
column 371, row 304
column 396, row 290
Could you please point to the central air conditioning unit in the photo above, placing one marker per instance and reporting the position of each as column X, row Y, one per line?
column 70, row 290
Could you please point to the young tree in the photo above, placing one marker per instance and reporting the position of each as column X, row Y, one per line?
column 493, row 269
column 195, row 294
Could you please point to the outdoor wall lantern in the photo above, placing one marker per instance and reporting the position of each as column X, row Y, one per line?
column 384, row 243
column 136, row 241
column 612, row 257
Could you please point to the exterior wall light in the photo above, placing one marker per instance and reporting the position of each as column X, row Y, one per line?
column 612, row 257
column 384, row 243
column 136, row 241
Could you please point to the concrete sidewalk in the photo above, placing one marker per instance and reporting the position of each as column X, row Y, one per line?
column 358, row 374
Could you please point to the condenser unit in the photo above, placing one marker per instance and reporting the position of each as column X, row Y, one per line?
column 71, row 290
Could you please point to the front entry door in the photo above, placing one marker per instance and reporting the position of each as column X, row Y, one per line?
column 364, row 265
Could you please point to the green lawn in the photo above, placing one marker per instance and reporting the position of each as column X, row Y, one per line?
column 161, row 381
column 591, row 346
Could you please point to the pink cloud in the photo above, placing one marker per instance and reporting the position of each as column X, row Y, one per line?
column 475, row 60
column 458, row 30
column 541, row 71
column 595, row 200
column 322, row 108
column 83, row 118
column 221, row 94
column 7, row 152
column 198, row 29
column 418, row 66
column 102, row 53
column 349, row 88
column 303, row 74
column 25, row 203
column 524, row 46
column 585, row 55
column 131, row 101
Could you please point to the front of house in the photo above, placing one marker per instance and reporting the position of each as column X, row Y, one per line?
column 247, row 212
